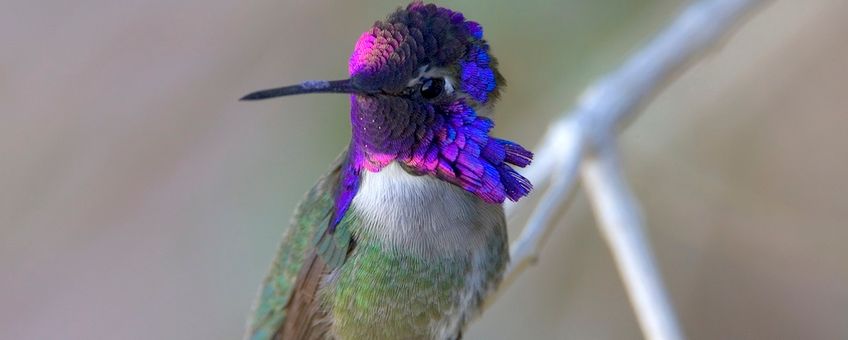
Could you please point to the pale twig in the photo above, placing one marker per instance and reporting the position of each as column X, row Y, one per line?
column 622, row 226
column 567, row 142
column 590, row 130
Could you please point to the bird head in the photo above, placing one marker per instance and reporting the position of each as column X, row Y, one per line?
column 421, row 85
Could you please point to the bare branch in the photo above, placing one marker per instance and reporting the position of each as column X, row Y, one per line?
column 621, row 225
column 587, row 135
column 568, row 142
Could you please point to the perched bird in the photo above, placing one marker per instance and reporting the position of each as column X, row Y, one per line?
column 405, row 235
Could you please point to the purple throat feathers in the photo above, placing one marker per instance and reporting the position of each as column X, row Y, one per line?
column 444, row 139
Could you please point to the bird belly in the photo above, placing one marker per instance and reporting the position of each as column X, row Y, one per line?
column 383, row 295
column 427, row 253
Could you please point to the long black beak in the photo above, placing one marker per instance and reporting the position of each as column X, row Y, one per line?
column 312, row 86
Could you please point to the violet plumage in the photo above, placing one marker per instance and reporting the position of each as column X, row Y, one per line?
column 442, row 137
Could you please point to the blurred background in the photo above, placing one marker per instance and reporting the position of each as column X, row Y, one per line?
column 140, row 200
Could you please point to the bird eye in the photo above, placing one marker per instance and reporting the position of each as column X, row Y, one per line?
column 432, row 87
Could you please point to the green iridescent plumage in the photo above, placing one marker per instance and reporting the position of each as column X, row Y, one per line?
column 308, row 220
column 388, row 295
column 380, row 291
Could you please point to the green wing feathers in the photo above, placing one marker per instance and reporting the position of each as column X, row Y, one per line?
column 307, row 227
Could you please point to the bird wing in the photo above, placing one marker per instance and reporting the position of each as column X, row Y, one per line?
column 287, row 306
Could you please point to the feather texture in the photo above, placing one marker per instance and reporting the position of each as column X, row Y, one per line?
column 413, row 258
column 310, row 217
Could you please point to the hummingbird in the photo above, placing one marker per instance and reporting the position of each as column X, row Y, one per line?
column 405, row 235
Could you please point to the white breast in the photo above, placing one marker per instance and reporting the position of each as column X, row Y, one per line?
column 433, row 218
column 422, row 213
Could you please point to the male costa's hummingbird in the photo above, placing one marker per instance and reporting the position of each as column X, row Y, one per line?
column 405, row 236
